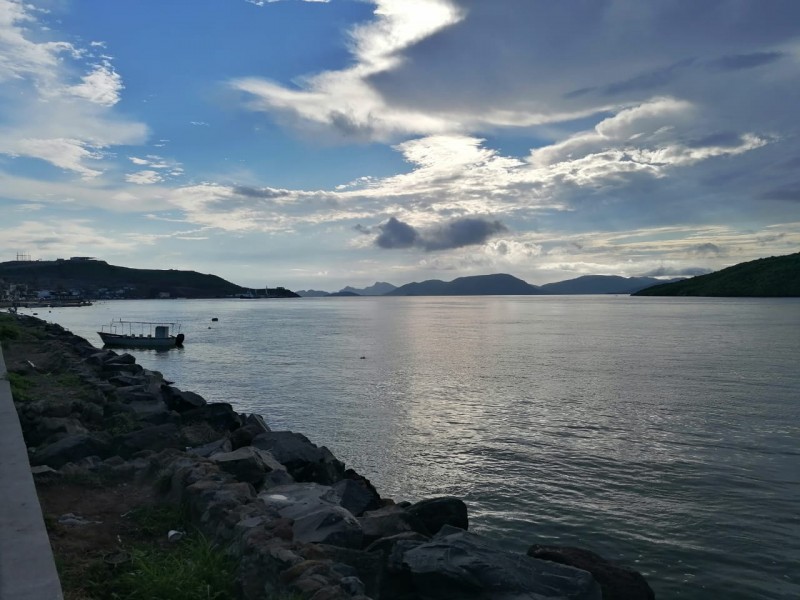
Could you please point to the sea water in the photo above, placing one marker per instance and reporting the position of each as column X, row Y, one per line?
column 663, row 433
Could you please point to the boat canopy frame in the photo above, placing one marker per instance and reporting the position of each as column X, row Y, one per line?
column 145, row 328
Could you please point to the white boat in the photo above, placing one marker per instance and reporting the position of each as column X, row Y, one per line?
column 142, row 334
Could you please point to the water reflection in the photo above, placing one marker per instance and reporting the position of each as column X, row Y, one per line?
column 658, row 431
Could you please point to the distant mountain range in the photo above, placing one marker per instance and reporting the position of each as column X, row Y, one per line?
column 777, row 276
column 500, row 284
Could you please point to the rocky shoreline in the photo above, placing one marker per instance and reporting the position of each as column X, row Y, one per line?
column 293, row 515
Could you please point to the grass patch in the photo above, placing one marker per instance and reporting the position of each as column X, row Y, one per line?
column 20, row 386
column 8, row 330
column 69, row 380
column 191, row 569
column 121, row 423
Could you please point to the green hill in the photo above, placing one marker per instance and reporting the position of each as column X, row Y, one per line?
column 92, row 276
column 777, row 276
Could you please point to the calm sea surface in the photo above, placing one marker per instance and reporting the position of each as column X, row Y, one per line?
column 664, row 433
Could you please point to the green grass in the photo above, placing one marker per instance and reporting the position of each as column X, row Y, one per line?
column 193, row 569
column 9, row 330
column 20, row 386
column 190, row 569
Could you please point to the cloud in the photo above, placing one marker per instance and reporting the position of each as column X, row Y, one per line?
column 737, row 62
column 265, row 2
column 57, row 107
column 396, row 234
column 706, row 249
column 101, row 86
column 65, row 237
column 454, row 234
column 344, row 101
column 666, row 271
column 145, row 177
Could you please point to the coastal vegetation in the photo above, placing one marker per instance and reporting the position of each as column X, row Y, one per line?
column 776, row 276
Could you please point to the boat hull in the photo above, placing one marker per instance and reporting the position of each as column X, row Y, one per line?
column 137, row 341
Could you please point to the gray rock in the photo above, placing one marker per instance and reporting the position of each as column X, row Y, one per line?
column 458, row 564
column 123, row 380
column 212, row 448
column 48, row 426
column 356, row 497
column 219, row 415
column 349, row 562
column 111, row 368
column 298, row 499
column 71, row 449
column 124, row 359
column 332, row 525
column 244, row 436
column 248, row 464
column 388, row 521
column 152, row 411
column 617, row 582
column 435, row 513
column 303, row 460
column 181, row 401
column 257, row 422
column 385, row 545
column 155, row 438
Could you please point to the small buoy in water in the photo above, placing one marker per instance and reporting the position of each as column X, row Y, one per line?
column 214, row 319
column 363, row 357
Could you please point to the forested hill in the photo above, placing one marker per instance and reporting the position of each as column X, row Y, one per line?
column 90, row 276
column 777, row 276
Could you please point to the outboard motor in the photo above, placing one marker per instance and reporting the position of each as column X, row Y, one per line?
column 179, row 340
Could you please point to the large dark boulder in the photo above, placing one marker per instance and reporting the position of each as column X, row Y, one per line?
column 219, row 415
column 181, row 401
column 155, row 438
column 304, row 461
column 389, row 521
column 458, row 564
column 248, row 464
column 356, row 496
column 332, row 525
column 71, row 449
column 316, row 514
column 617, row 582
column 435, row 513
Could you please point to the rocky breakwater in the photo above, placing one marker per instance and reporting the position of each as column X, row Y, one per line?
column 292, row 514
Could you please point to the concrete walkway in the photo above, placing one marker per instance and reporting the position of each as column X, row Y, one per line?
column 27, row 568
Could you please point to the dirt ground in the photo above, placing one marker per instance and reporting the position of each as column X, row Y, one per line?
column 85, row 545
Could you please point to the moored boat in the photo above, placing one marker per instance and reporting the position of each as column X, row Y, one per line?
column 157, row 335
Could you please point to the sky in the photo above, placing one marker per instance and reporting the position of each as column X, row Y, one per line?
column 319, row 144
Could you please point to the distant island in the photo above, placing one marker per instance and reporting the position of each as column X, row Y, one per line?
column 500, row 284
column 777, row 276
column 88, row 278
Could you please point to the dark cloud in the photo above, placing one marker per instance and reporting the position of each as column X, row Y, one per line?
column 675, row 272
column 648, row 81
column 462, row 232
column 737, row 62
column 790, row 194
column 260, row 193
column 458, row 233
column 396, row 234
column 707, row 249
column 725, row 139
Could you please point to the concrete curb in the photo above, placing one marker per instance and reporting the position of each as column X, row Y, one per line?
column 27, row 568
